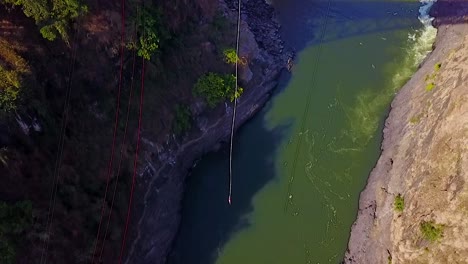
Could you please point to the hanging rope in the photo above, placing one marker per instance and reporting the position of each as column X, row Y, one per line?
column 235, row 101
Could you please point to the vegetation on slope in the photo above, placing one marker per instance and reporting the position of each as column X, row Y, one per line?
column 215, row 88
column 183, row 119
column 14, row 220
column 430, row 79
column 52, row 16
column 399, row 203
column 230, row 56
column 151, row 32
column 431, row 231
column 12, row 70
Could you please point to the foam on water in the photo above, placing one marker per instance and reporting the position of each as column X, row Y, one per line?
column 420, row 45
column 364, row 119
column 427, row 34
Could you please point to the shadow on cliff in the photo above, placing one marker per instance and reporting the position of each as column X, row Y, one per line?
column 347, row 19
column 208, row 221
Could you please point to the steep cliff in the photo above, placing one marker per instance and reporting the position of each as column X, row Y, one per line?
column 414, row 207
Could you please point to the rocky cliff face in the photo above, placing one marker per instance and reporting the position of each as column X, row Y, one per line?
column 161, row 182
column 424, row 162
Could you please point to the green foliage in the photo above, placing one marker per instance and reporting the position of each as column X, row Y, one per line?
column 14, row 219
column 11, row 72
column 431, row 231
column 430, row 86
column 230, row 81
column 182, row 119
column 151, row 33
column 230, row 56
column 215, row 88
column 399, row 203
column 48, row 33
column 10, row 83
column 52, row 16
column 415, row 119
column 237, row 93
column 36, row 9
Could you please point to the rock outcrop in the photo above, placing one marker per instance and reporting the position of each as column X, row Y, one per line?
column 424, row 160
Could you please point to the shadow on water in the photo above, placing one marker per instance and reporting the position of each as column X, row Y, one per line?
column 348, row 19
column 208, row 221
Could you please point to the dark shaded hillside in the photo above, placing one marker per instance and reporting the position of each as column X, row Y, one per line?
column 195, row 35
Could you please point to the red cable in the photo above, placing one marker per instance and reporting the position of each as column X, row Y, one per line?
column 109, row 170
column 135, row 161
column 120, row 158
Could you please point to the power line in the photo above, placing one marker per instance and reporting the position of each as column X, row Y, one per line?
column 135, row 161
column 235, row 101
column 58, row 160
column 116, row 122
column 121, row 150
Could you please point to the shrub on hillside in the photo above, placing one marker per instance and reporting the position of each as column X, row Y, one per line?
column 52, row 16
column 216, row 88
column 230, row 56
column 182, row 119
column 151, row 33
column 399, row 203
column 12, row 69
column 431, row 231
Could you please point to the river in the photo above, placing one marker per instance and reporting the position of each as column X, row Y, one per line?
column 301, row 163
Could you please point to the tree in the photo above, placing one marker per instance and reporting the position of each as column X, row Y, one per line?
column 12, row 69
column 151, row 33
column 52, row 16
column 36, row 9
column 10, row 84
column 215, row 88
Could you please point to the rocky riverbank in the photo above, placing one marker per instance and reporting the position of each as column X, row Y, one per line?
column 424, row 161
column 161, row 183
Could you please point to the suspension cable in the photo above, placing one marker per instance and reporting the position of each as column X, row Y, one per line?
column 235, row 100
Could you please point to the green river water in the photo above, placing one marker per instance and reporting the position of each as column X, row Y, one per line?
column 300, row 165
